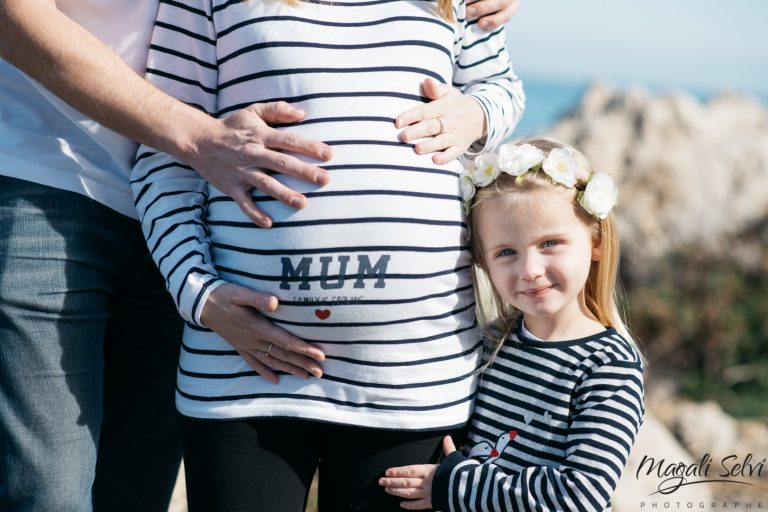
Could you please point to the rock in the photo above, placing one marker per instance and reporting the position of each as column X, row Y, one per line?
column 705, row 428
column 738, row 446
column 688, row 172
column 638, row 490
column 753, row 437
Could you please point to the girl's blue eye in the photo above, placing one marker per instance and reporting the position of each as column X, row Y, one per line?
column 506, row 252
column 549, row 244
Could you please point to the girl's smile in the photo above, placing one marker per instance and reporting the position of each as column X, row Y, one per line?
column 538, row 292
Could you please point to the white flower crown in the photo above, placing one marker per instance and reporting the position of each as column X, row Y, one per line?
column 598, row 197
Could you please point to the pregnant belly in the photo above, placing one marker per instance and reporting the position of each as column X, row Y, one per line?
column 381, row 244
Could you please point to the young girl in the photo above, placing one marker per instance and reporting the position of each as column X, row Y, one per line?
column 561, row 397
column 375, row 269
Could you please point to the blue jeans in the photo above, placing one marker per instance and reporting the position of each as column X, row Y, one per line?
column 89, row 342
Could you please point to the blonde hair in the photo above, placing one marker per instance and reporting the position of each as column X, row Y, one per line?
column 444, row 8
column 602, row 291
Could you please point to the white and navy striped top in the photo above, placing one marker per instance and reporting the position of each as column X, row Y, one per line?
column 552, row 428
column 375, row 270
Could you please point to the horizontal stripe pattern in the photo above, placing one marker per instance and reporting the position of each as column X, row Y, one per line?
column 375, row 270
column 575, row 408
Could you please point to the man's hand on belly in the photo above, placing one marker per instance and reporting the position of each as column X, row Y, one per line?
column 235, row 156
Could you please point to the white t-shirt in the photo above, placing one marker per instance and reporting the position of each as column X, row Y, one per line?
column 45, row 141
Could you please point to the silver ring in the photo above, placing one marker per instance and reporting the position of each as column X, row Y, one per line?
column 442, row 128
column 268, row 349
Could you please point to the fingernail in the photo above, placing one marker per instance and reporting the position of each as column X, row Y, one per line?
column 266, row 224
column 321, row 178
column 296, row 202
column 327, row 154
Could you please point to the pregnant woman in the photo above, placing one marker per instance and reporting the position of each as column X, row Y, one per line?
column 374, row 271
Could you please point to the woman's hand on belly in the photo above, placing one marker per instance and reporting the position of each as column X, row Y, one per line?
column 450, row 123
column 231, row 311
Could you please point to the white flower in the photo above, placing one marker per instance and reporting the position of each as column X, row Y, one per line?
column 517, row 160
column 467, row 187
column 486, row 169
column 561, row 166
column 600, row 195
column 468, row 164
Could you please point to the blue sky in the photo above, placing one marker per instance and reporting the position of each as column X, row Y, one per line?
column 698, row 45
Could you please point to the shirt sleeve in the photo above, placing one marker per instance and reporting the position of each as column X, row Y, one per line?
column 483, row 71
column 608, row 412
column 170, row 196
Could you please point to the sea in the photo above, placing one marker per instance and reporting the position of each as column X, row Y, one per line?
column 547, row 100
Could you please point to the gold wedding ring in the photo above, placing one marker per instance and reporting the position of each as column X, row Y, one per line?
column 268, row 349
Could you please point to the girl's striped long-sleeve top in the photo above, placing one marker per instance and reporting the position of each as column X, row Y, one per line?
column 552, row 428
column 375, row 269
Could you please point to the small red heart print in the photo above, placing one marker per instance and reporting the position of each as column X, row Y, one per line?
column 494, row 452
column 322, row 314
column 512, row 434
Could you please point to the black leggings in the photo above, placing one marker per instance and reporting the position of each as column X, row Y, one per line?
column 267, row 464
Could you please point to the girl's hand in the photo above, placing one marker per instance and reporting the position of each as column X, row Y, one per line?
column 492, row 13
column 232, row 311
column 448, row 446
column 414, row 482
column 411, row 482
column 450, row 123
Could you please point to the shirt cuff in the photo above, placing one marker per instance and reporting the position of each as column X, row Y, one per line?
column 209, row 287
column 442, row 480
column 479, row 146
